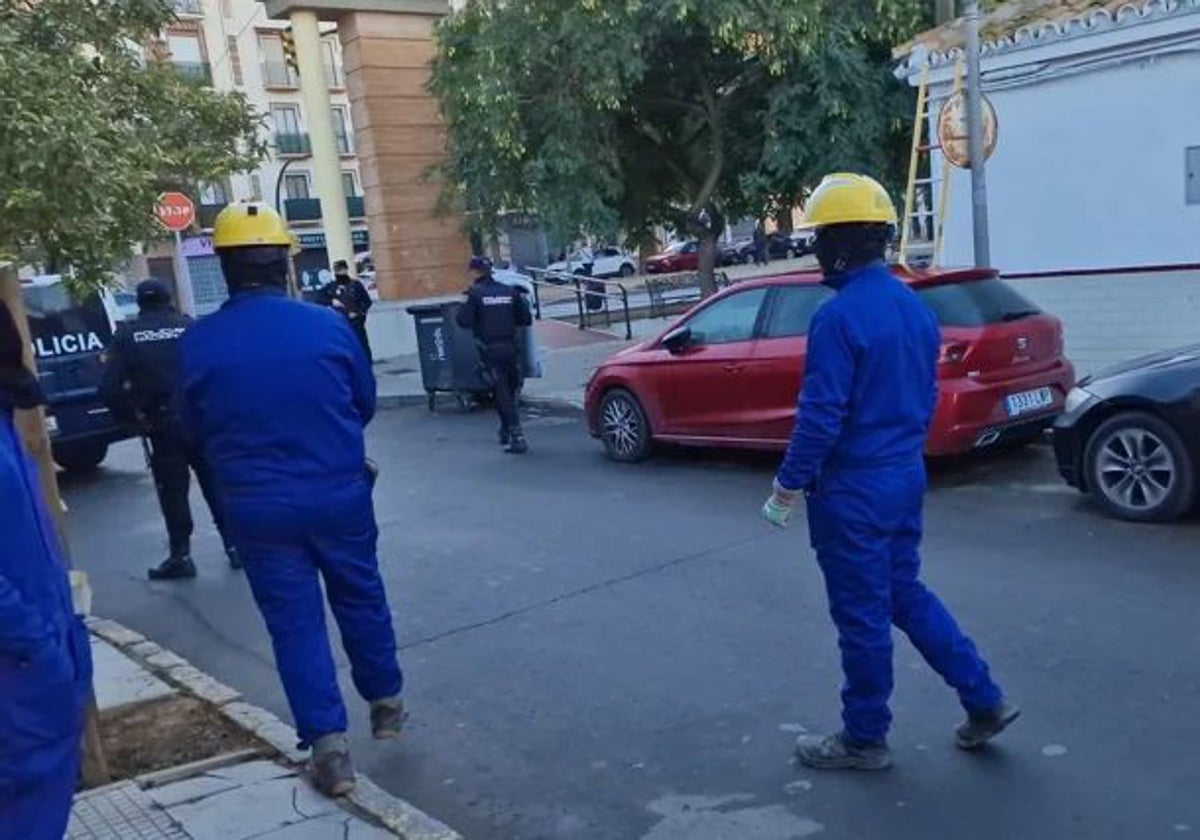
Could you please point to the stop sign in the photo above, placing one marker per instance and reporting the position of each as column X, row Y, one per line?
column 175, row 211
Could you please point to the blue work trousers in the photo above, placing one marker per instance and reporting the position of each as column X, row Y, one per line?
column 289, row 547
column 866, row 529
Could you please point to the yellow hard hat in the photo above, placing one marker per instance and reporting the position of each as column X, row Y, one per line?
column 248, row 223
column 846, row 198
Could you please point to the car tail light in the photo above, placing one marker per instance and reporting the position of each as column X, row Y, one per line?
column 953, row 353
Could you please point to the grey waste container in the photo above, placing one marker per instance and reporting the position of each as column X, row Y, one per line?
column 450, row 360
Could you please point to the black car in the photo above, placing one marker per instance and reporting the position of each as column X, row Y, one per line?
column 780, row 246
column 69, row 336
column 1130, row 436
column 736, row 253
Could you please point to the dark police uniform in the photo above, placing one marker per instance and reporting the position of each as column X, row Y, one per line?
column 494, row 312
column 139, row 386
column 355, row 300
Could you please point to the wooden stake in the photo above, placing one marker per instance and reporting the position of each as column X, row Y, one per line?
column 31, row 426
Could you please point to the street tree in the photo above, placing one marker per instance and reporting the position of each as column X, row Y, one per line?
column 603, row 117
column 96, row 124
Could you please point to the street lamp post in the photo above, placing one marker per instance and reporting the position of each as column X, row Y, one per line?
column 975, row 137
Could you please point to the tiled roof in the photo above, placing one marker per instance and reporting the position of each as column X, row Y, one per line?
column 1026, row 23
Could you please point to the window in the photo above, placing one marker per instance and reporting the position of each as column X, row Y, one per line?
column 793, row 309
column 976, row 303
column 295, row 185
column 286, row 119
column 341, row 129
column 333, row 68
column 276, row 71
column 1193, row 175
column 213, row 192
column 255, row 187
column 187, row 54
column 349, row 184
column 235, row 60
column 728, row 320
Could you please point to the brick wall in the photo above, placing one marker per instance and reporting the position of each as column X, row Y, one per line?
column 1111, row 318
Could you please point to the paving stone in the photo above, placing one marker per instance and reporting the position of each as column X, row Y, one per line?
column 191, row 790
column 252, row 772
column 115, row 633
column 251, row 810
column 398, row 815
column 166, row 660
column 120, row 681
column 335, row 826
column 203, row 686
column 120, row 812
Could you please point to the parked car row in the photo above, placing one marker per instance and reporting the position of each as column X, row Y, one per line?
column 727, row 374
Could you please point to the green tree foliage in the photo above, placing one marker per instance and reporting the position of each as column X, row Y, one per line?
column 607, row 115
column 91, row 131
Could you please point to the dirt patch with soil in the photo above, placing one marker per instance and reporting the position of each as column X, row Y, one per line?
column 166, row 733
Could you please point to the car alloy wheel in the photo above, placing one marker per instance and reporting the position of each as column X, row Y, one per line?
column 623, row 427
column 1136, row 469
column 1139, row 470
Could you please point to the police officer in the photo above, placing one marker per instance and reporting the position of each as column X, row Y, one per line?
column 139, row 384
column 493, row 312
column 279, row 394
column 869, row 391
column 45, row 659
column 351, row 298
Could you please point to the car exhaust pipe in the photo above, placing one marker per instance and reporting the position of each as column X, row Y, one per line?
column 987, row 438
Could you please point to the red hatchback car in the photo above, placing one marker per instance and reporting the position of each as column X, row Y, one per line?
column 682, row 256
column 728, row 373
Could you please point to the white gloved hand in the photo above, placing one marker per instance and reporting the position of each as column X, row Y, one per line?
column 779, row 508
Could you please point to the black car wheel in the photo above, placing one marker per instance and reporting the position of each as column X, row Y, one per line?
column 1138, row 469
column 627, row 270
column 624, row 429
column 80, row 457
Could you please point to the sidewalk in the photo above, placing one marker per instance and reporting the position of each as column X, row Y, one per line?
column 565, row 369
column 256, row 791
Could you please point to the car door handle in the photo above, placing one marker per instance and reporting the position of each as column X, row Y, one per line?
column 734, row 368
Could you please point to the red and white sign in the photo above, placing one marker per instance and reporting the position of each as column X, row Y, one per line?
column 175, row 211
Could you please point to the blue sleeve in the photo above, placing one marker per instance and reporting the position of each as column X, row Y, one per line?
column 824, row 401
column 187, row 406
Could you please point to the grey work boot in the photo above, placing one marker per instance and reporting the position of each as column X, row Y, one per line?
column 332, row 770
column 516, row 443
column 981, row 727
column 834, row 752
column 387, row 718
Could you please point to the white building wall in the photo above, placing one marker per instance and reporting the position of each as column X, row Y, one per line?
column 1089, row 172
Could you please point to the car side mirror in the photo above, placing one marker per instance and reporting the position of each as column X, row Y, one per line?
column 677, row 341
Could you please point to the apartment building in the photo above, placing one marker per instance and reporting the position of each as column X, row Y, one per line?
column 233, row 46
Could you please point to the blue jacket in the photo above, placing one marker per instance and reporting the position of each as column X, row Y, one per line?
column 44, row 661
column 870, row 382
column 278, row 393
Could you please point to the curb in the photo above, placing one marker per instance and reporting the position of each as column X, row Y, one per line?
column 397, row 816
column 411, row 400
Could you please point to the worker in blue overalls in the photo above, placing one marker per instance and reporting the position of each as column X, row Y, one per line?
column 278, row 393
column 857, row 453
column 45, row 660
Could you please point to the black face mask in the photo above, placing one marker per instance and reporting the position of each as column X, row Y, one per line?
column 19, row 388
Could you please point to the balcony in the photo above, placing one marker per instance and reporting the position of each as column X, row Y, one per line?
column 292, row 145
column 187, row 8
column 279, row 75
column 309, row 209
column 199, row 72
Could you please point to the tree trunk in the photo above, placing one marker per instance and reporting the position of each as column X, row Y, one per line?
column 708, row 262
column 944, row 11
column 31, row 426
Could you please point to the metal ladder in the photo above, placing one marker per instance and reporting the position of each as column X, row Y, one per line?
column 923, row 189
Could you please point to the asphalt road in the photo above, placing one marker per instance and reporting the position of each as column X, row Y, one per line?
column 614, row 653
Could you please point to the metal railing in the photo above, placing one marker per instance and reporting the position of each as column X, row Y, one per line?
column 591, row 296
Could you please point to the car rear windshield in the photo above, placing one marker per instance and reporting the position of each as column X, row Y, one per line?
column 977, row 303
column 54, row 311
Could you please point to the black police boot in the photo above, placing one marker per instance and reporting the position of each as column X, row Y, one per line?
column 516, row 443
column 175, row 567
column 235, row 559
column 505, row 436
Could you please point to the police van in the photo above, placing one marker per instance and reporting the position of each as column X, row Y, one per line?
column 69, row 337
